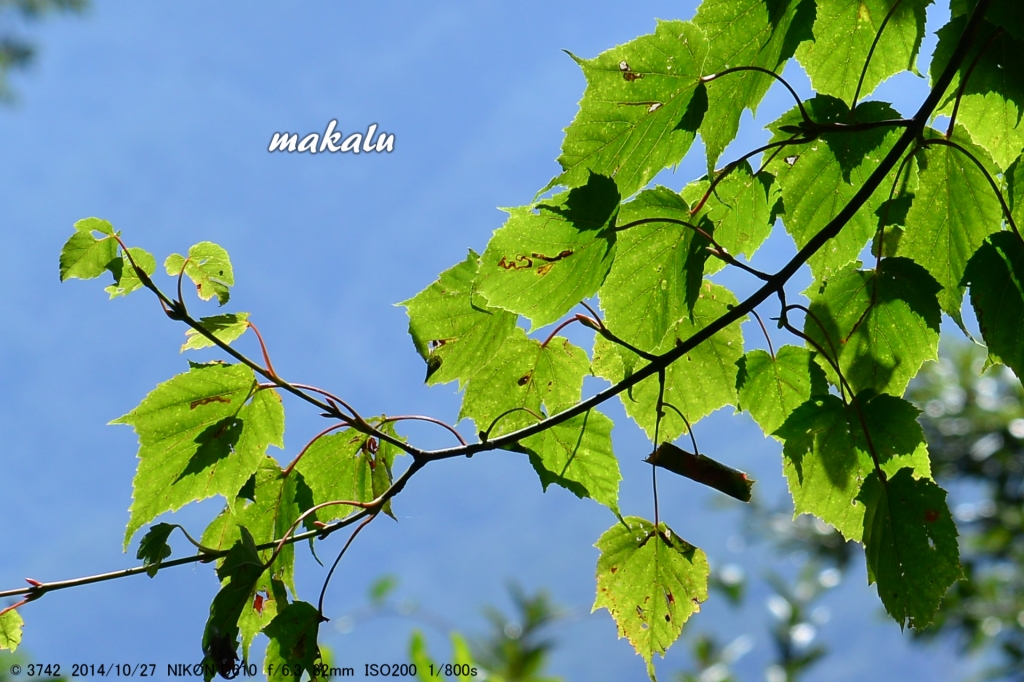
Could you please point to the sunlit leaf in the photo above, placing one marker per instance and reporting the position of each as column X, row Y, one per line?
column 226, row 328
column 651, row 581
column 209, row 268
column 910, row 544
column 126, row 280
column 85, row 255
column 996, row 277
column 293, row 648
column 549, row 257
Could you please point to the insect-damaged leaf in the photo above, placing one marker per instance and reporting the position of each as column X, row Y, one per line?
column 703, row 469
column 453, row 328
column 910, row 545
column 550, row 256
column 827, row 456
column 651, row 581
column 86, row 256
column 996, row 277
column 209, row 268
column 641, row 110
column 293, row 648
column 201, row 433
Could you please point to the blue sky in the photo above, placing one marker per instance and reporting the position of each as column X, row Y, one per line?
column 157, row 118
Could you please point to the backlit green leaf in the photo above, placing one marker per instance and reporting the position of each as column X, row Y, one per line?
column 993, row 99
column 341, row 466
column 698, row 384
column 577, row 455
column 293, row 648
column 126, row 280
column 658, row 269
column 226, row 328
column 819, row 178
column 640, row 112
column 827, row 456
column 86, row 256
column 200, row 435
column 209, row 268
column 525, row 374
column 910, row 544
column 651, row 581
column 279, row 499
column 549, row 257
column 453, row 328
column 771, row 388
column 745, row 33
column 996, row 277
column 883, row 326
column 844, row 31
column 741, row 209
column 954, row 209
column 10, row 630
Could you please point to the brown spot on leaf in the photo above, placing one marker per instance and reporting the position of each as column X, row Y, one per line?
column 545, row 269
column 931, row 515
column 525, row 379
column 516, row 263
column 206, row 401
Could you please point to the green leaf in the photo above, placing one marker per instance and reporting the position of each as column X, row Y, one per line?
column 698, row 384
column 771, row 388
column 910, row 544
column 996, row 277
column 844, row 31
column 278, row 501
column 420, row 657
column 549, row 257
column 341, row 466
column 10, row 630
column 239, row 574
column 462, row 656
column 153, row 548
column 884, row 326
column 651, row 581
column 126, row 280
column 453, row 328
column 993, row 99
column 745, row 33
column 226, row 328
column 659, row 266
column 827, row 457
column 954, row 209
column 820, row 178
column 209, row 268
column 84, row 255
column 200, row 435
column 577, row 455
column 1015, row 191
column 293, row 647
column 641, row 109
column 524, row 373
column 741, row 209
column 703, row 470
